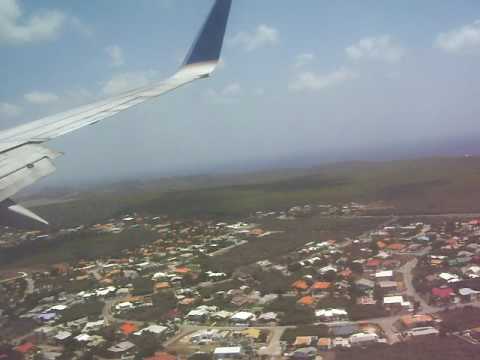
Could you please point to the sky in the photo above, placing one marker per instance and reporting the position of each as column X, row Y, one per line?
column 312, row 77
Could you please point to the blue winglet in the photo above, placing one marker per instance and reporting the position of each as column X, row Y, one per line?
column 208, row 44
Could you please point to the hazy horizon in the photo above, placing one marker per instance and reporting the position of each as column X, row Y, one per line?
column 299, row 85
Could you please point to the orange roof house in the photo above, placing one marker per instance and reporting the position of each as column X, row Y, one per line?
column 306, row 300
column 162, row 286
column 182, row 270
column 321, row 285
column 396, row 246
column 161, row 356
column 300, row 285
column 256, row 232
column 128, row 328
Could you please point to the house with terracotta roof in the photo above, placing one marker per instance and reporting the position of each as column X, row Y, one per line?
column 306, row 301
column 300, row 285
column 161, row 356
column 128, row 328
column 320, row 287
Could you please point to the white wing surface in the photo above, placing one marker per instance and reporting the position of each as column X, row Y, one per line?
column 23, row 160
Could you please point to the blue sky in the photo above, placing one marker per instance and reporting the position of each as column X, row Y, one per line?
column 321, row 78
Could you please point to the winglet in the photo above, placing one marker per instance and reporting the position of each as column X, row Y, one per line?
column 205, row 52
column 20, row 210
column 11, row 212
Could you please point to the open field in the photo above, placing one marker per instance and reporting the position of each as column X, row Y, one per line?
column 411, row 186
column 72, row 247
column 294, row 235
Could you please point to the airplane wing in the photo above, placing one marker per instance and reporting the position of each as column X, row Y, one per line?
column 23, row 160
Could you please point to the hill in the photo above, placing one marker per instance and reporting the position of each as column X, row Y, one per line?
column 433, row 185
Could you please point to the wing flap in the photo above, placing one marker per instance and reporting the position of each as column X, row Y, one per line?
column 23, row 166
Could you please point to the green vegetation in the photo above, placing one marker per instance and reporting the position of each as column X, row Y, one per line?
column 420, row 186
column 90, row 309
column 74, row 247
column 295, row 235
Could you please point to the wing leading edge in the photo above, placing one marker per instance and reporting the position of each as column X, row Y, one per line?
column 18, row 146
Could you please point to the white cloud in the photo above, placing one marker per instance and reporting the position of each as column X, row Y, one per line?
column 17, row 29
column 127, row 81
column 463, row 39
column 309, row 81
column 262, row 36
column 116, row 55
column 303, row 60
column 382, row 48
column 10, row 110
column 229, row 94
column 39, row 97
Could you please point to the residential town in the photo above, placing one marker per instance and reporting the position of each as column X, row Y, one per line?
column 404, row 279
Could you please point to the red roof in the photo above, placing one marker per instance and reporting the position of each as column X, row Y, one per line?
column 321, row 285
column 128, row 328
column 300, row 284
column 307, row 300
column 442, row 292
column 373, row 262
column 25, row 348
column 161, row 356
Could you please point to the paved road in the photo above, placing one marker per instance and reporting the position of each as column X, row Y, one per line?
column 30, row 285
column 274, row 348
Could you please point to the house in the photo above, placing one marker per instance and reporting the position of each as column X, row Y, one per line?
column 305, row 353
column 62, row 336
column 268, row 317
column 300, row 285
column 307, row 300
column 243, row 317
column 345, row 329
column 384, row 275
column 364, row 284
column 198, row 315
column 373, row 263
column 303, row 341
column 320, row 287
column 417, row 320
column 363, row 339
column 324, row 344
column 122, row 348
column 444, row 294
column 341, row 343
column 469, row 295
column 232, row 352
column 221, row 315
column 396, row 303
column 161, row 356
column 329, row 315
column 128, row 328
column 388, row 286
column 422, row 331
column 156, row 330
column 93, row 326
